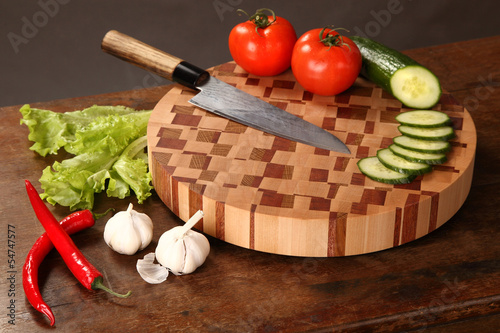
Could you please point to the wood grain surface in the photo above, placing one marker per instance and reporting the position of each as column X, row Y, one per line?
column 447, row 281
column 274, row 195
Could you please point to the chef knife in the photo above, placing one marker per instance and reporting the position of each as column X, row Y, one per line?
column 219, row 97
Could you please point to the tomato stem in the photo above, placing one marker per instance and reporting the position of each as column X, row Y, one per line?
column 334, row 39
column 260, row 19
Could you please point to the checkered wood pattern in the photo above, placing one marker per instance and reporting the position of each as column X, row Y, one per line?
column 271, row 194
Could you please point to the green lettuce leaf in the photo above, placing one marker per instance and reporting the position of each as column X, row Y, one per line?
column 132, row 169
column 108, row 148
column 52, row 130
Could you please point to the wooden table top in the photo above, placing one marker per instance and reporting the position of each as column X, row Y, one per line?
column 446, row 281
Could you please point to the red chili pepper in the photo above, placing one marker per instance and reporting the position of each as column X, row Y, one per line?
column 81, row 268
column 72, row 223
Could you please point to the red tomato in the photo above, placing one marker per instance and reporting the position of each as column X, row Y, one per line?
column 328, row 66
column 263, row 45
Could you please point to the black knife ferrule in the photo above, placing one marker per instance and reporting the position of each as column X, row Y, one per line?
column 189, row 75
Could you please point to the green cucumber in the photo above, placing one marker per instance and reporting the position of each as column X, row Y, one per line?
column 423, row 118
column 422, row 146
column 411, row 83
column 399, row 164
column 373, row 169
column 442, row 133
column 415, row 156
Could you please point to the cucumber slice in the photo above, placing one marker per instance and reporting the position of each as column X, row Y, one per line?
column 442, row 133
column 373, row 169
column 415, row 156
column 416, row 87
column 411, row 83
column 399, row 164
column 424, row 118
column 423, row 146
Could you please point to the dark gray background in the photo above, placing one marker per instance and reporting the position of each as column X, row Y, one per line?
column 50, row 49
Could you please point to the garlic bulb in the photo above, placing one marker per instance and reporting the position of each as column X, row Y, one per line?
column 182, row 250
column 128, row 231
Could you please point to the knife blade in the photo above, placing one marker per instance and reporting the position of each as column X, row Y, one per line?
column 219, row 97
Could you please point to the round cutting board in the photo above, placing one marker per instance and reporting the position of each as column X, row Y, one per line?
column 274, row 195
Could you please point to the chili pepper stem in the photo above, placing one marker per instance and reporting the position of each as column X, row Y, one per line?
column 98, row 216
column 97, row 284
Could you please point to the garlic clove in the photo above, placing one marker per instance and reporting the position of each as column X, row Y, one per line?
column 197, row 250
column 126, row 240
column 143, row 226
column 149, row 271
column 171, row 252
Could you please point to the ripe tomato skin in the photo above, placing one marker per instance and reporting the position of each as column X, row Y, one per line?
column 265, row 52
column 322, row 69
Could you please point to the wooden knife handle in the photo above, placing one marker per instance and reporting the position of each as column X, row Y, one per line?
column 147, row 57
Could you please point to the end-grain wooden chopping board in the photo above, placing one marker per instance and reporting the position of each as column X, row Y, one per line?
column 274, row 195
